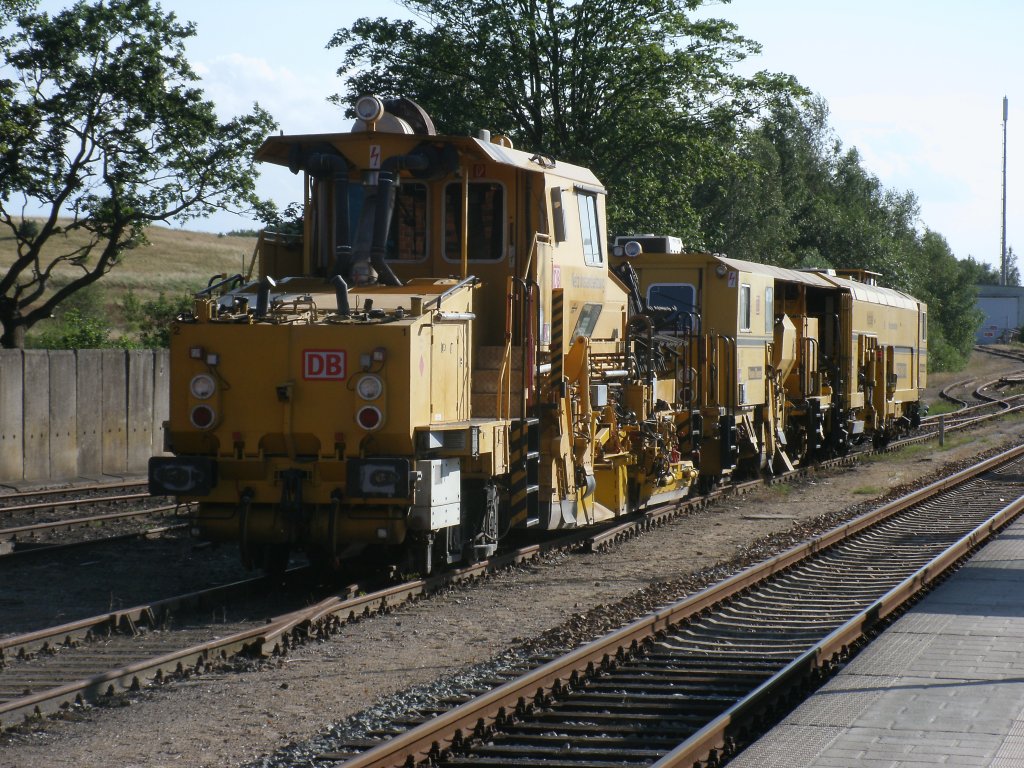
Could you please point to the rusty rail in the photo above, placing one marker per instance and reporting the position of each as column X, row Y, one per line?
column 482, row 715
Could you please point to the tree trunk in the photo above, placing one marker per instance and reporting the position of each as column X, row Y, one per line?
column 13, row 335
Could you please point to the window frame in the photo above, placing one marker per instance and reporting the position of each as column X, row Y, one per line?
column 745, row 308
column 589, row 220
column 457, row 258
column 354, row 217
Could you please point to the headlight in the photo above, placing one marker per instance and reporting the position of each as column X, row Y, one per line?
column 369, row 108
column 202, row 386
column 370, row 387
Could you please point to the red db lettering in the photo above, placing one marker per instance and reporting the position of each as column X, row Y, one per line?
column 323, row 364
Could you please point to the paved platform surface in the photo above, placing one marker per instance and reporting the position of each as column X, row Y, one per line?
column 944, row 685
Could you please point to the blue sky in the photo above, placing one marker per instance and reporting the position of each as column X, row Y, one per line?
column 915, row 85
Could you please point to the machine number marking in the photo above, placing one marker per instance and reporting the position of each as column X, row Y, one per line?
column 323, row 364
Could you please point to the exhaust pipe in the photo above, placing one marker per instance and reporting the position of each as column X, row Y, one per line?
column 263, row 296
column 341, row 293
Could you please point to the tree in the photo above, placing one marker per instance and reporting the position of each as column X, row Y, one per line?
column 979, row 272
column 637, row 90
column 1012, row 270
column 946, row 284
column 104, row 131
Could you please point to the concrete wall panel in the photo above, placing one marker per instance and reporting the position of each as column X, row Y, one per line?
column 12, row 449
column 66, row 414
column 63, row 421
column 115, row 412
column 90, row 412
column 140, row 409
column 161, row 397
column 36, row 379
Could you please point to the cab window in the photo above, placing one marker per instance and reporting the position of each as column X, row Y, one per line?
column 486, row 217
column 680, row 299
column 592, row 253
column 744, row 307
column 407, row 235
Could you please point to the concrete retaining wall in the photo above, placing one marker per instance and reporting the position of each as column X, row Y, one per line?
column 84, row 413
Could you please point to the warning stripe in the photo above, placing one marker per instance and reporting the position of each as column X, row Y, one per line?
column 525, row 462
column 557, row 340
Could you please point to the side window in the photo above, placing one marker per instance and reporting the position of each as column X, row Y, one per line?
column 679, row 297
column 769, row 310
column 486, row 221
column 592, row 253
column 924, row 326
column 744, row 307
column 587, row 321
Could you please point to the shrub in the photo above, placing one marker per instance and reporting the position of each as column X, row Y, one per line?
column 151, row 320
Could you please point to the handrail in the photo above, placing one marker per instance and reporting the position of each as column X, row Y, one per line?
column 470, row 280
column 811, row 345
column 235, row 278
column 538, row 237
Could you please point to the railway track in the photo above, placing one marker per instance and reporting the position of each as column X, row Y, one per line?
column 139, row 649
column 53, row 520
column 45, row 670
column 689, row 684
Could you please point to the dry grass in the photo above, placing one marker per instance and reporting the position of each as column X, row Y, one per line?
column 174, row 261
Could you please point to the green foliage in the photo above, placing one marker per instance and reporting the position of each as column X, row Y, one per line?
column 28, row 230
column 980, row 272
column 953, row 315
column 638, row 91
column 75, row 330
column 648, row 98
column 81, row 322
column 287, row 222
column 151, row 320
column 102, row 127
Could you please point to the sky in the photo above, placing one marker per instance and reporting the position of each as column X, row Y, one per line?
column 916, row 86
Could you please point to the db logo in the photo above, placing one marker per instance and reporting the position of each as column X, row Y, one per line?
column 323, row 364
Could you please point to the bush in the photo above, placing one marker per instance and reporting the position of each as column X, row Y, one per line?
column 151, row 320
column 81, row 322
column 78, row 330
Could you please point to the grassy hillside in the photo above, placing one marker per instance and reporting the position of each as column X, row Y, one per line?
column 174, row 262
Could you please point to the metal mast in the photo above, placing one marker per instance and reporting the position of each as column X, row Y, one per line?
column 1003, row 273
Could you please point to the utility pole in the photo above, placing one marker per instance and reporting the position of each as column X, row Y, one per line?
column 1003, row 273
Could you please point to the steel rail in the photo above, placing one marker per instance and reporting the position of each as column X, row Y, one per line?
column 13, row 534
column 39, row 550
column 719, row 738
column 126, row 620
column 72, row 489
column 494, row 708
column 76, row 502
column 264, row 639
